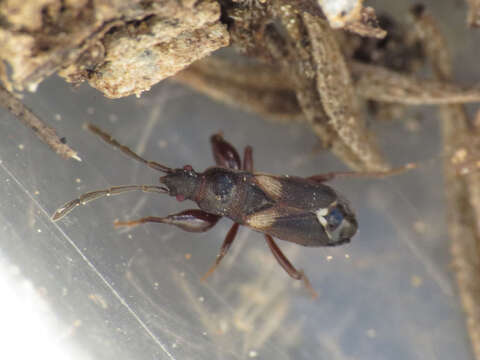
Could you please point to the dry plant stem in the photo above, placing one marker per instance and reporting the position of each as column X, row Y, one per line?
column 260, row 88
column 308, row 55
column 313, row 111
column 462, row 192
column 380, row 84
column 247, row 75
column 303, row 78
column 295, row 56
column 46, row 134
column 464, row 237
column 338, row 96
column 473, row 17
column 466, row 134
column 249, row 87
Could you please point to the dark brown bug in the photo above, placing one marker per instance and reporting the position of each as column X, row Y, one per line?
column 295, row 209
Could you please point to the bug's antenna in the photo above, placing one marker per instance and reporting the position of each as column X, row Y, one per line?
column 126, row 150
column 87, row 197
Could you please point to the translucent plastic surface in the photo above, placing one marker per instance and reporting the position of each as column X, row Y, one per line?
column 105, row 293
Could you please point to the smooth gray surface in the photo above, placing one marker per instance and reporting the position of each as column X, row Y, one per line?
column 136, row 294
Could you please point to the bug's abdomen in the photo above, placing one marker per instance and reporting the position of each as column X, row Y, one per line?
column 304, row 211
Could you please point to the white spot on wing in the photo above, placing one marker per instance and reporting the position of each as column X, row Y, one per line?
column 321, row 213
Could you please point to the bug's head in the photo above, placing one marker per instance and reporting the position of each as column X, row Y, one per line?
column 181, row 183
column 339, row 222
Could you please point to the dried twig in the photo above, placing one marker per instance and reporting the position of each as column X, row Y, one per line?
column 337, row 93
column 473, row 17
column 462, row 191
column 258, row 87
column 46, row 134
column 312, row 108
column 295, row 56
column 252, row 87
column 381, row 84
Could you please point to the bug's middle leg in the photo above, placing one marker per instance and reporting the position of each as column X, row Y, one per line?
column 287, row 265
column 223, row 250
column 192, row 220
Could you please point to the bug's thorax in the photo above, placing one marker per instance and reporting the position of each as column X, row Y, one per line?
column 221, row 191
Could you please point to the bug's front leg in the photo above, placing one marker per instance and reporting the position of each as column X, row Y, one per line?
column 287, row 265
column 192, row 220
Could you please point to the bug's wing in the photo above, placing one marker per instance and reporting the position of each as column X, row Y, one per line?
column 296, row 192
column 290, row 224
column 303, row 211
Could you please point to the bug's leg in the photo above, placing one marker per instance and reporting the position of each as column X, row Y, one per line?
column 224, row 153
column 375, row 174
column 248, row 159
column 126, row 150
column 90, row 196
column 192, row 220
column 287, row 265
column 223, row 250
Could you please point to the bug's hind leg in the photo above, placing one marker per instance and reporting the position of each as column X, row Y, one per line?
column 223, row 250
column 224, row 153
column 358, row 174
column 287, row 265
column 192, row 220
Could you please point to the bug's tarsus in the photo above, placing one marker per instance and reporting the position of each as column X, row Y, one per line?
column 126, row 150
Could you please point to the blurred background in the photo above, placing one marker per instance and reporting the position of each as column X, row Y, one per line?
column 81, row 289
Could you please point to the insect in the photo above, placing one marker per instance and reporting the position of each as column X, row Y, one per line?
column 300, row 210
